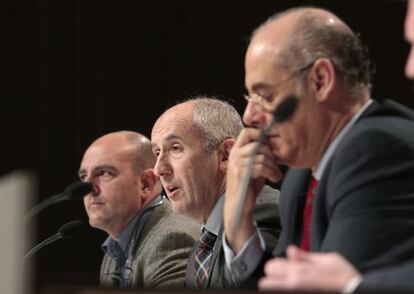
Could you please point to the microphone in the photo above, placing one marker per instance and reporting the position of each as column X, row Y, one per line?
column 72, row 192
column 68, row 230
column 283, row 112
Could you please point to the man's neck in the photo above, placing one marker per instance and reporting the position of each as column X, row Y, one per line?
column 340, row 127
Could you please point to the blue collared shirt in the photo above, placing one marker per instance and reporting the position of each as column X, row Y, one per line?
column 215, row 218
column 119, row 249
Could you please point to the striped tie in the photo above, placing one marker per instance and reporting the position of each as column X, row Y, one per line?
column 203, row 254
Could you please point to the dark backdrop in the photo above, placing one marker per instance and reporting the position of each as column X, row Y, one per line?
column 74, row 70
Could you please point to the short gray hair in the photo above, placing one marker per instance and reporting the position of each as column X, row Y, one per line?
column 216, row 120
column 313, row 39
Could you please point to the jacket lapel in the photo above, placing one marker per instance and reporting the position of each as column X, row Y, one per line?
column 190, row 272
column 214, row 257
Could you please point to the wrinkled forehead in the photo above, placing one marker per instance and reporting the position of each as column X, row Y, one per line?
column 98, row 154
column 173, row 125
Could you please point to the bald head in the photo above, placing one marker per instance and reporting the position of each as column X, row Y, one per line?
column 296, row 38
column 120, row 167
column 291, row 20
column 136, row 143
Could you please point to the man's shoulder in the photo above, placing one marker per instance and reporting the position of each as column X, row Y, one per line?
column 165, row 232
column 267, row 205
column 268, row 195
column 388, row 116
column 164, row 219
column 382, row 125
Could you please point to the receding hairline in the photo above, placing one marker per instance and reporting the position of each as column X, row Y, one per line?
column 179, row 110
column 209, row 117
column 134, row 143
column 296, row 14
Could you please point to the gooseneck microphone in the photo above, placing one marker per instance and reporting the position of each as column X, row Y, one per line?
column 68, row 230
column 282, row 113
column 72, row 192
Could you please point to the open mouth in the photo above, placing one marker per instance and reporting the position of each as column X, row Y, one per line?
column 171, row 191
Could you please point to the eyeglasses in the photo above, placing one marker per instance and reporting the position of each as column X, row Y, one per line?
column 266, row 102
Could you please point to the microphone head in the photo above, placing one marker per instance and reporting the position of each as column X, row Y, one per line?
column 285, row 109
column 70, row 229
column 77, row 190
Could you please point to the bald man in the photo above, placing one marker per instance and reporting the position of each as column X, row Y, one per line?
column 148, row 245
column 332, row 272
column 350, row 185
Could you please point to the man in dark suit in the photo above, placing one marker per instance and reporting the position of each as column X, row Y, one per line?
column 332, row 272
column 350, row 188
column 192, row 141
column 148, row 245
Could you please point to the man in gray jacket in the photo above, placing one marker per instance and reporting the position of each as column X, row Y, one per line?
column 148, row 245
column 192, row 142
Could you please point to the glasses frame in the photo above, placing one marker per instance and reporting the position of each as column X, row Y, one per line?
column 260, row 100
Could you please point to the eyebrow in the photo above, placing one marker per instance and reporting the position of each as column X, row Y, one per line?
column 169, row 137
column 98, row 167
column 260, row 86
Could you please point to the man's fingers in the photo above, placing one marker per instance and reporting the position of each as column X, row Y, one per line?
column 294, row 253
column 269, row 172
column 246, row 136
column 270, row 283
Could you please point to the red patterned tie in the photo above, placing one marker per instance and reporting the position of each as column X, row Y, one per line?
column 307, row 215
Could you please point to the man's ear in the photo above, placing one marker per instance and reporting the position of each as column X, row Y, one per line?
column 148, row 182
column 224, row 151
column 322, row 79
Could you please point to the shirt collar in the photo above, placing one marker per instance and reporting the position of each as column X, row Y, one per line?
column 119, row 246
column 332, row 147
column 215, row 217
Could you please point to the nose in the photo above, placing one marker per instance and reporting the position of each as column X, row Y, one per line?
column 95, row 187
column 409, row 67
column 254, row 115
column 95, row 190
column 162, row 167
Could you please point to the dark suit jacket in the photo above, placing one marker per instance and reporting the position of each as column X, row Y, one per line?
column 399, row 277
column 267, row 221
column 162, row 252
column 364, row 204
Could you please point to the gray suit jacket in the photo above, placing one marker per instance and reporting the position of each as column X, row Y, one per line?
column 267, row 219
column 162, row 252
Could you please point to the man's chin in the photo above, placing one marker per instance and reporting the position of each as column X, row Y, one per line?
column 97, row 223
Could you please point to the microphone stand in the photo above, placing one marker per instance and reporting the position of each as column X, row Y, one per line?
column 68, row 230
column 49, row 240
column 247, row 176
column 42, row 205
column 282, row 113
